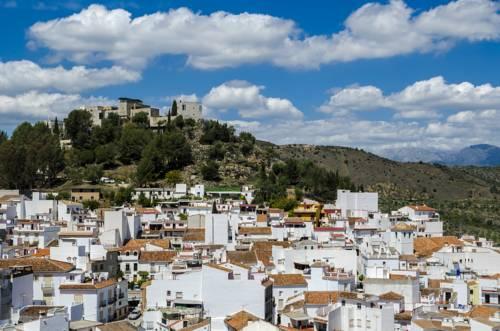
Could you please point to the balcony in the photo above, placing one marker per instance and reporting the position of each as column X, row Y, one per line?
column 111, row 300
column 121, row 295
column 48, row 290
column 103, row 303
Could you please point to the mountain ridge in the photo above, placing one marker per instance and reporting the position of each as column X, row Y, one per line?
column 479, row 155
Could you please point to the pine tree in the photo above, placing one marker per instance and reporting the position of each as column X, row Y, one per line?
column 56, row 130
column 174, row 108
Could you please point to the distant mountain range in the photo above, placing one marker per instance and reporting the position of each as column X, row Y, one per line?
column 478, row 155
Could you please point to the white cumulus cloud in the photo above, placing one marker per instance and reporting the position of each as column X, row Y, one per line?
column 224, row 39
column 20, row 76
column 35, row 105
column 248, row 101
column 423, row 99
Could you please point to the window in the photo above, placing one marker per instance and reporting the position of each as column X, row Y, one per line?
column 178, row 295
column 359, row 306
column 127, row 267
column 78, row 298
column 135, row 266
column 169, row 293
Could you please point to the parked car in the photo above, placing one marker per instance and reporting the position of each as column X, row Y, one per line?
column 134, row 314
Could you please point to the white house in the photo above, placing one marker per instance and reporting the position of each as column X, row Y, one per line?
column 214, row 288
column 351, row 203
column 103, row 300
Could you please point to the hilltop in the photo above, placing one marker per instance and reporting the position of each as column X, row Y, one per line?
column 406, row 180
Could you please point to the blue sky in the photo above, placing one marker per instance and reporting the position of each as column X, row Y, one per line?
column 377, row 75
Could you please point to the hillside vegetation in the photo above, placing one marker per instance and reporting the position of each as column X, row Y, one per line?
column 212, row 153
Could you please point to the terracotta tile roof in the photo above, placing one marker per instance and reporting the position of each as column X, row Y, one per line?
column 400, row 277
column 292, row 220
column 276, row 210
column 403, row 316
column 117, row 326
column 157, row 256
column 196, row 326
column 38, row 264
column 401, row 226
column 194, row 234
column 264, row 250
column 482, row 311
column 241, row 257
column 9, row 197
column 494, row 276
column 240, row 320
column 391, row 296
column 428, row 324
column 88, row 285
column 150, row 211
column 353, row 220
column 408, row 257
column 435, row 283
column 421, row 208
column 254, row 230
column 218, row 267
column 326, row 297
column 42, row 252
column 425, row 247
column 137, row 244
column 288, row 280
column 262, row 218
column 36, row 310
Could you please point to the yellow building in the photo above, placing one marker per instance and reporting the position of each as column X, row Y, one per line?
column 308, row 211
column 475, row 293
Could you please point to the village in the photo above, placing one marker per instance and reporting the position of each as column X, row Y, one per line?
column 213, row 260
column 250, row 165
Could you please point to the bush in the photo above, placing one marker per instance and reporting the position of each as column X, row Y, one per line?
column 91, row 204
column 214, row 131
column 141, row 119
column 210, row 171
column 217, row 152
column 93, row 173
column 284, row 203
column 173, row 177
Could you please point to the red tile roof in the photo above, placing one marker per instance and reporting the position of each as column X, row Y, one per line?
column 88, row 285
column 38, row 264
column 288, row 280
